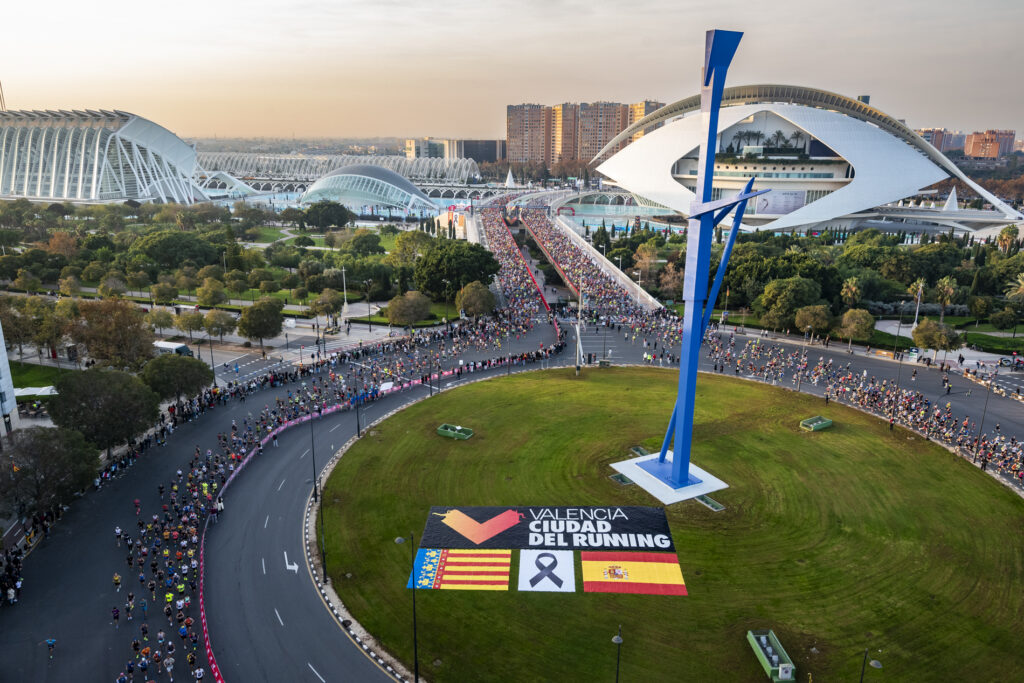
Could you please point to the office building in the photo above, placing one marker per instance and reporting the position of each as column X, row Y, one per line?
column 990, row 144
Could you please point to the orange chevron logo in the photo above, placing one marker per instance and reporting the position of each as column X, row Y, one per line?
column 478, row 532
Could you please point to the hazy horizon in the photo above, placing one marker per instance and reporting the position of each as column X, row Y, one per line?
column 398, row 69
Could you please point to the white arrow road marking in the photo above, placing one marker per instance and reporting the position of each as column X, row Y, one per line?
column 293, row 566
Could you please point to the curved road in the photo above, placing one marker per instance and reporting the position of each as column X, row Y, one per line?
column 272, row 626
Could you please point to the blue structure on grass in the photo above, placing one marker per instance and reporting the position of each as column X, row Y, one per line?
column 720, row 46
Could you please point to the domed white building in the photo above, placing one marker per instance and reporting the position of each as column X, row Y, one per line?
column 93, row 156
column 831, row 162
column 360, row 185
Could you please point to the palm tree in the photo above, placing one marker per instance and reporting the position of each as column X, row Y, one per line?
column 778, row 137
column 738, row 137
column 1015, row 290
column 797, row 138
column 851, row 291
column 945, row 291
column 756, row 136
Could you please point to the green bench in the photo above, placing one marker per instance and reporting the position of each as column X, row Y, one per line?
column 454, row 432
column 816, row 423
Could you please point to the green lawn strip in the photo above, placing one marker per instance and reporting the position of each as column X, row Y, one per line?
column 31, row 375
column 268, row 233
column 826, row 536
column 991, row 344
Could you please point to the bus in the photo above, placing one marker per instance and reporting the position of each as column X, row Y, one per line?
column 163, row 347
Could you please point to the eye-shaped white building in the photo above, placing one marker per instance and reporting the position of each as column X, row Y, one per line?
column 830, row 162
column 93, row 156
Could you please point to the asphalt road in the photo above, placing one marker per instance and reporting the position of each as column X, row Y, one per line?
column 271, row 626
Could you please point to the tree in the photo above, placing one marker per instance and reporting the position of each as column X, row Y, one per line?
column 211, row 293
column 857, row 324
column 218, row 323
column 294, row 216
column 170, row 248
column 111, row 288
column 114, row 333
column 163, row 293
column 328, row 302
column 408, row 308
column 26, row 281
column 160, row 319
column 69, row 286
column 456, row 261
column 170, row 375
column 1015, row 290
column 851, row 292
column 1007, row 236
column 475, row 299
column 1004, row 319
column 190, row 321
column 63, row 243
column 365, row 243
column 932, row 335
column 646, row 256
column 408, row 247
column 138, row 280
column 108, row 407
column 979, row 307
column 47, row 467
column 817, row 318
column 262, row 320
column 670, row 281
column 325, row 214
column 303, row 241
column 945, row 291
column 781, row 299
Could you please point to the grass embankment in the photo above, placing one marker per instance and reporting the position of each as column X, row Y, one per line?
column 839, row 540
column 31, row 375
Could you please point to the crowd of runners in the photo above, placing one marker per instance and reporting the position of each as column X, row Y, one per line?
column 154, row 593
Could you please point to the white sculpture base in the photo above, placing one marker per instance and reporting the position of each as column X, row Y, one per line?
column 709, row 483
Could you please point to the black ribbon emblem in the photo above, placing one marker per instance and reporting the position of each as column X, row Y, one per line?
column 547, row 571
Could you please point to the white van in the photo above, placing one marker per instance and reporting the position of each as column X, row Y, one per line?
column 163, row 347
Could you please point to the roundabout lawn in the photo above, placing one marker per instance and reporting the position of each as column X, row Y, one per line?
column 839, row 540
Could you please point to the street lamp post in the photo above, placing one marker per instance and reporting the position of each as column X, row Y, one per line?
column 415, row 644
column 312, row 452
column 369, row 322
column 617, row 639
column 984, row 411
column 447, row 294
column 920, row 293
column 875, row 664
column 212, row 367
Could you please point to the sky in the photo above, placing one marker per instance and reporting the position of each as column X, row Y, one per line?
column 447, row 69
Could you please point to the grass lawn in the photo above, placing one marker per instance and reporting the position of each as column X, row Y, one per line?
column 993, row 344
column 268, row 233
column 31, row 375
column 839, row 540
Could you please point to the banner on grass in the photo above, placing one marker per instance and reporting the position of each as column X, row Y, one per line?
column 437, row 568
column 548, row 528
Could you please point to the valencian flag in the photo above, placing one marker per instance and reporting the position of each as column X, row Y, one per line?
column 624, row 572
column 486, row 570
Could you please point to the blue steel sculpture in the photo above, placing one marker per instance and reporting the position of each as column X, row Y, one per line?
column 720, row 46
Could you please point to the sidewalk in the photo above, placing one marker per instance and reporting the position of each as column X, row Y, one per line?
column 970, row 356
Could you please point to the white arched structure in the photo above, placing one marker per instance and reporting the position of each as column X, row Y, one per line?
column 310, row 168
column 93, row 156
column 365, row 185
column 868, row 160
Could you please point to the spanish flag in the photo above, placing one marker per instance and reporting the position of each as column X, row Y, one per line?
column 461, row 569
column 619, row 572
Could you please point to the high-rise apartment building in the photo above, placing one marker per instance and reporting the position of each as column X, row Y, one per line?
column 528, row 133
column 565, row 121
column 449, row 149
column 570, row 131
column 942, row 139
column 990, row 144
column 638, row 110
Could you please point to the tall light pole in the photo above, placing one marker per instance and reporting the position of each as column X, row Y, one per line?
column 312, row 450
column 617, row 639
column 212, row 367
column 875, row 664
column 639, row 283
column 415, row 645
column 920, row 292
column 984, row 411
column 369, row 322
column 447, row 294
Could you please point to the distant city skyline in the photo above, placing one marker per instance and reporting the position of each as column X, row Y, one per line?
column 401, row 69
